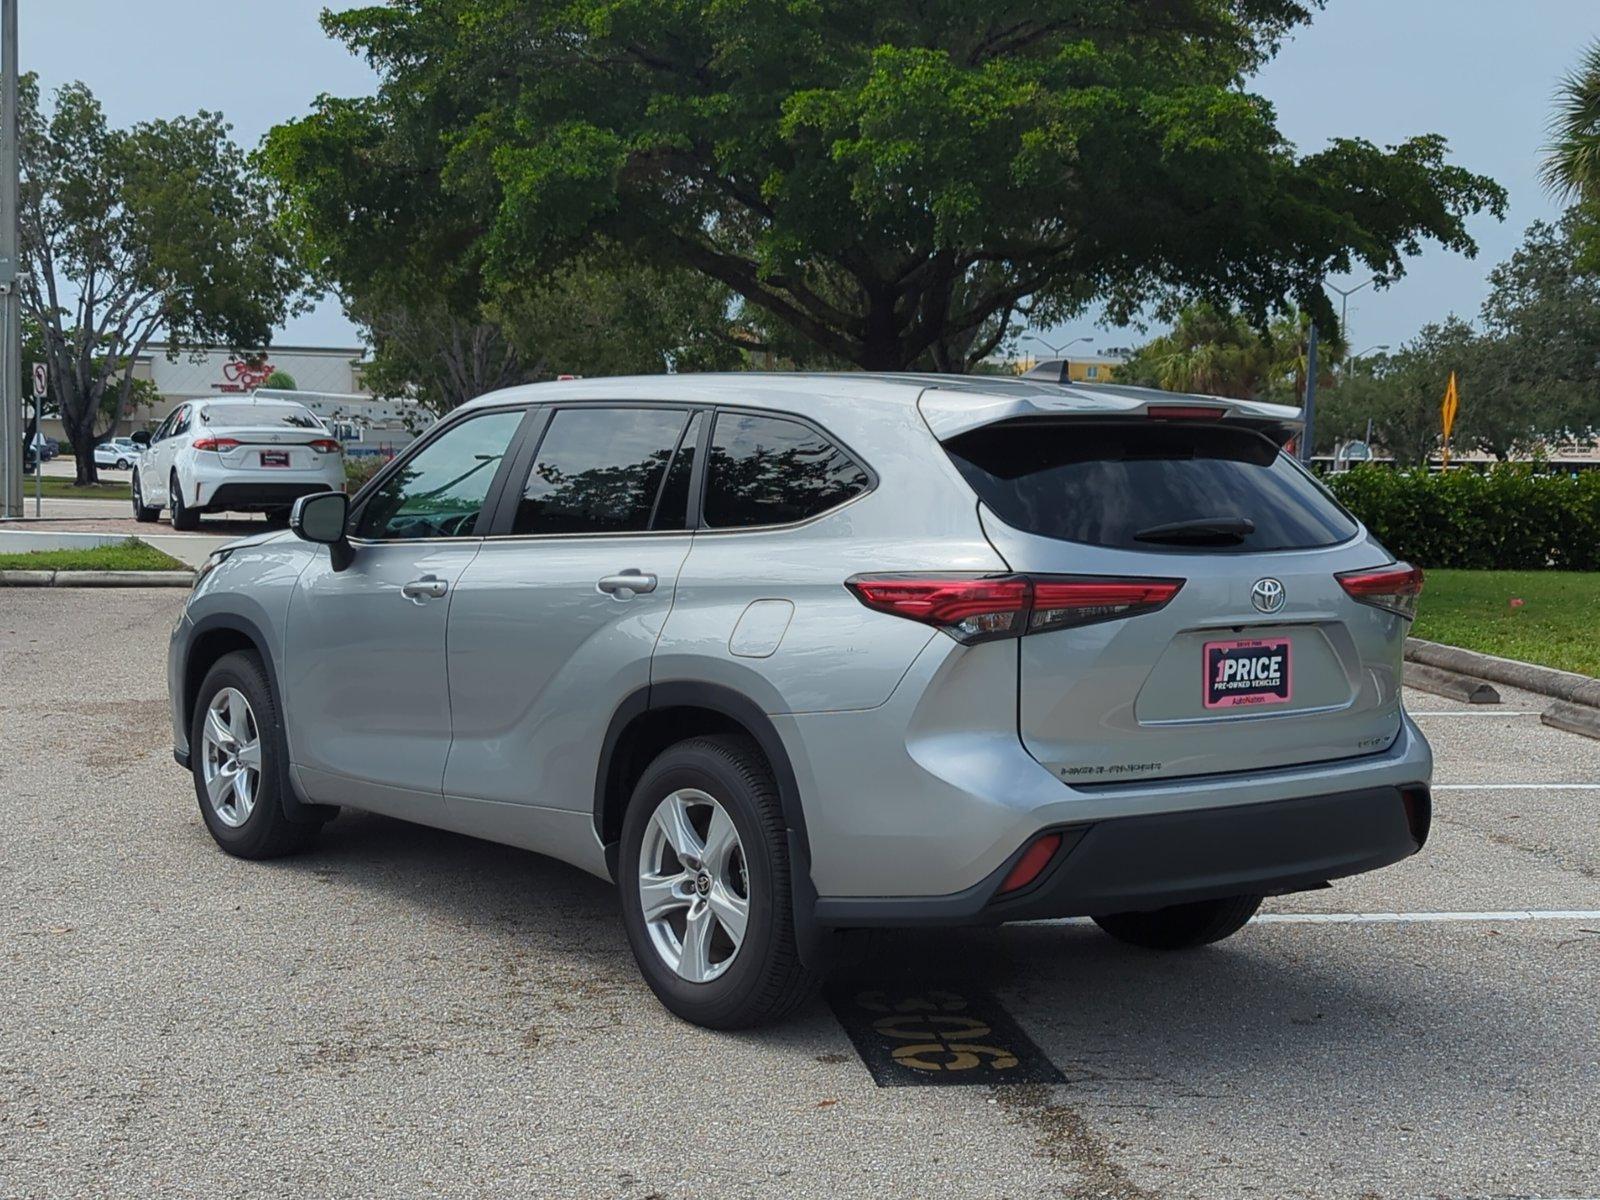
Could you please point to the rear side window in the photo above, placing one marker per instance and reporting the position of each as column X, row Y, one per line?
column 1107, row 484
column 599, row 470
column 773, row 471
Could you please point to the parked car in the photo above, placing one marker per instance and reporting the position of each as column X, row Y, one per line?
column 234, row 455
column 45, row 448
column 787, row 656
column 121, row 453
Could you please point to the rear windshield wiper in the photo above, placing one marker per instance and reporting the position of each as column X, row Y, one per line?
column 1199, row 529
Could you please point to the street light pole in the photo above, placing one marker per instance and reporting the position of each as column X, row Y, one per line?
column 1309, row 413
column 1060, row 350
column 1344, row 308
column 10, row 323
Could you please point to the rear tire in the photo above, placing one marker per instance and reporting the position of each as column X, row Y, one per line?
column 184, row 518
column 1182, row 926
column 712, row 780
column 145, row 516
column 123, row 464
column 240, row 774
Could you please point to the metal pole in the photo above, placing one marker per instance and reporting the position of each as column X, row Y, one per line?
column 10, row 325
column 1308, row 435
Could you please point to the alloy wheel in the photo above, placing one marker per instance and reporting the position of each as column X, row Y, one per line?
column 694, row 885
column 231, row 757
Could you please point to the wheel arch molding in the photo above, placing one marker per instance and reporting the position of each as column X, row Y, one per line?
column 215, row 636
column 662, row 714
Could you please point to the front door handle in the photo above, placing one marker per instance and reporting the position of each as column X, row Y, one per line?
column 422, row 589
column 625, row 585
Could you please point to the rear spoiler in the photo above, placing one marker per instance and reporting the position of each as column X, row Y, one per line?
column 972, row 404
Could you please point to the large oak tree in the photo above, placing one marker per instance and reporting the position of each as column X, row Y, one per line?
column 895, row 180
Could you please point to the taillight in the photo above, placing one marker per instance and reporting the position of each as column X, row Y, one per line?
column 980, row 608
column 219, row 444
column 325, row 446
column 1394, row 588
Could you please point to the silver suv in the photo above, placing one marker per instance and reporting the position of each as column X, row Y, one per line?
column 786, row 656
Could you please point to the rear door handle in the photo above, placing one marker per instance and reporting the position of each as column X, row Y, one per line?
column 626, row 584
column 422, row 589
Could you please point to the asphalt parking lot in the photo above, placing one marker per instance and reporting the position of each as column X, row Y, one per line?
column 403, row 1012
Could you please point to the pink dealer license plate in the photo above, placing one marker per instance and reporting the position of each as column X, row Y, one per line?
column 1253, row 671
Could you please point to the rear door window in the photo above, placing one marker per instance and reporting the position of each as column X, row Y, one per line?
column 1148, row 485
column 599, row 470
column 773, row 471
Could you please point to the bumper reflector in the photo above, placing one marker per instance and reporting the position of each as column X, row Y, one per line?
column 1033, row 861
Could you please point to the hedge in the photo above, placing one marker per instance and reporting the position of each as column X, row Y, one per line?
column 1509, row 518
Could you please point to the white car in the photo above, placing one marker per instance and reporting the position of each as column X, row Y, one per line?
column 121, row 453
column 235, row 455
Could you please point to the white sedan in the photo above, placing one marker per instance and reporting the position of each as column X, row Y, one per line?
column 120, row 453
column 235, row 455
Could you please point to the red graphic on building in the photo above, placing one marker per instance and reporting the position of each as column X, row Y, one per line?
column 243, row 375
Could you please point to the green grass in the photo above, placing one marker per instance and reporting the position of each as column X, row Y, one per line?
column 131, row 555
column 57, row 488
column 1557, row 624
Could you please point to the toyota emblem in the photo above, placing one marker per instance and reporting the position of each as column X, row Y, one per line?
column 1267, row 595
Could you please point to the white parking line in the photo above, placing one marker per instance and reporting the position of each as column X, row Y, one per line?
column 1489, row 711
column 1516, row 787
column 1382, row 918
column 1557, row 914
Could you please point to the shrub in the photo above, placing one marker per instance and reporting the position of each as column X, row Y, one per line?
column 1509, row 518
column 360, row 469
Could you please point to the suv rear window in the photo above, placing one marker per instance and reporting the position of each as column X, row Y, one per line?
column 1105, row 483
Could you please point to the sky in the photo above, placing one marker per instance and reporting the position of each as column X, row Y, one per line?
column 1481, row 72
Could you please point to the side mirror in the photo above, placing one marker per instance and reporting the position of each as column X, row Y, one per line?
column 320, row 517
column 140, row 437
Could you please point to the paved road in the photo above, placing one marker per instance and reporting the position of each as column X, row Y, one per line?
column 404, row 1012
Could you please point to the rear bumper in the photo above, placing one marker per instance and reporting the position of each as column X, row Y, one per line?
column 1144, row 862
column 245, row 495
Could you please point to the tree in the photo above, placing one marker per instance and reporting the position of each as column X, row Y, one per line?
column 281, row 381
column 594, row 320
column 1222, row 354
column 366, row 197
column 898, row 181
column 126, row 233
column 1542, row 324
column 1572, row 158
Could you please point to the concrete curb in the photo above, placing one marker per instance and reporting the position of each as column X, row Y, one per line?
column 1574, row 718
column 139, row 579
column 1546, row 681
column 1448, row 683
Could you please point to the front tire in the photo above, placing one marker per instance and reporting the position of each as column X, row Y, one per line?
column 1182, row 926
column 238, row 756
column 141, row 514
column 184, row 518
column 704, row 875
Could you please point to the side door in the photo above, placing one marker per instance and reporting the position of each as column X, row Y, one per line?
column 555, row 621
column 366, row 698
column 155, row 469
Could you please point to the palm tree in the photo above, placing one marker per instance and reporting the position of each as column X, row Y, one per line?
column 1572, row 158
